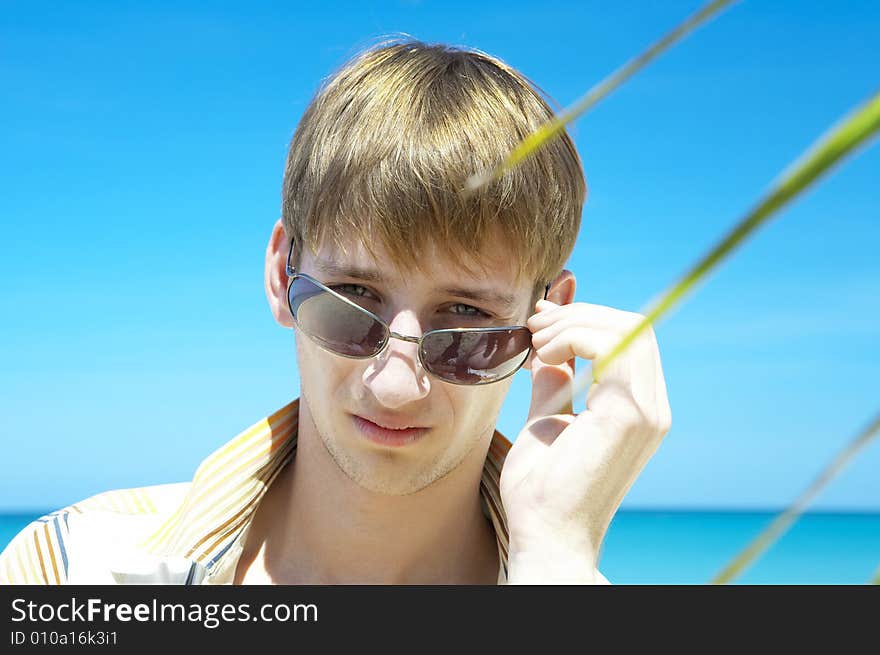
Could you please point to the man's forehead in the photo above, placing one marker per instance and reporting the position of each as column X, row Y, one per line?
column 490, row 261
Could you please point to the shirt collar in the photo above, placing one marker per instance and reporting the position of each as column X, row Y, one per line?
column 229, row 484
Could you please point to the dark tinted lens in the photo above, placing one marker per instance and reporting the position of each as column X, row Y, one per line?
column 476, row 357
column 334, row 323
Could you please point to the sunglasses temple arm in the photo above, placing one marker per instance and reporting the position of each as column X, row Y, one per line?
column 290, row 270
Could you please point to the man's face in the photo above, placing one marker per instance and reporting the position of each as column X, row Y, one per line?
column 392, row 389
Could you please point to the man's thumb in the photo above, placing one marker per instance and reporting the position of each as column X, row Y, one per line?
column 551, row 385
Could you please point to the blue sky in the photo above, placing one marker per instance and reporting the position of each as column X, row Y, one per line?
column 143, row 146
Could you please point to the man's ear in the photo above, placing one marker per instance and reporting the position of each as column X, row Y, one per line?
column 276, row 275
column 562, row 288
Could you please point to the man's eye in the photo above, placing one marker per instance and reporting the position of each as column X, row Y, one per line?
column 352, row 290
column 467, row 310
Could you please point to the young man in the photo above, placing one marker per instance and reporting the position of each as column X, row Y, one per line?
column 412, row 302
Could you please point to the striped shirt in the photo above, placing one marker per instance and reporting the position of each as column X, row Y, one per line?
column 189, row 532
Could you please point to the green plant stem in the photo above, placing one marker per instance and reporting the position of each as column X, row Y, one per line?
column 841, row 141
column 784, row 520
column 555, row 126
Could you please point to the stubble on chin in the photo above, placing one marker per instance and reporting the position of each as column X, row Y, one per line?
column 388, row 474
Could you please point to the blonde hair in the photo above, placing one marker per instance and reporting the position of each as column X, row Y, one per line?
column 384, row 149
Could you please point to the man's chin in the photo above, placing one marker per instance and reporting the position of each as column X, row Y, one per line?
column 386, row 483
column 386, row 472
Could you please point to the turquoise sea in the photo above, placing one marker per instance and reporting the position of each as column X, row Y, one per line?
column 690, row 547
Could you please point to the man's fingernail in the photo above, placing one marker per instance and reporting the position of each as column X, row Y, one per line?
column 545, row 304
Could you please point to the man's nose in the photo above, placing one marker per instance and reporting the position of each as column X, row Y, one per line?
column 396, row 377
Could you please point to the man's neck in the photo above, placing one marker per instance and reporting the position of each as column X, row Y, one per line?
column 317, row 526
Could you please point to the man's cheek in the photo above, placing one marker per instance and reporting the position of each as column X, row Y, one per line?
column 477, row 409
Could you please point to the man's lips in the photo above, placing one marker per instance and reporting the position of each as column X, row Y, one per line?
column 391, row 423
column 388, row 436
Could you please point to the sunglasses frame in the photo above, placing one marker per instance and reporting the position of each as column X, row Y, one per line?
column 391, row 334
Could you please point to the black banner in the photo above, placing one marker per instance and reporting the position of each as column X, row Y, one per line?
column 152, row 617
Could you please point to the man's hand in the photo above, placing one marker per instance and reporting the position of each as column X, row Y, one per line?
column 566, row 475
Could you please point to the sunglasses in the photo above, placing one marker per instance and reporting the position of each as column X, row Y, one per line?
column 467, row 356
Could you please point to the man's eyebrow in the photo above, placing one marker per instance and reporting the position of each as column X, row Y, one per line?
column 495, row 298
column 347, row 270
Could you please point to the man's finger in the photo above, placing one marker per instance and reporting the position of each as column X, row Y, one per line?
column 596, row 316
column 579, row 341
